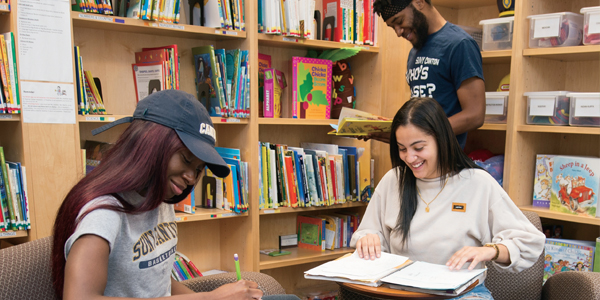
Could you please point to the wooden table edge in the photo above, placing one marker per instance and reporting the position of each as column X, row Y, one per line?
column 385, row 292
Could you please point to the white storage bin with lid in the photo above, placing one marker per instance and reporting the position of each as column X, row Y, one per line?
column 475, row 33
column 548, row 108
column 585, row 109
column 496, row 105
column 591, row 25
column 497, row 33
column 555, row 30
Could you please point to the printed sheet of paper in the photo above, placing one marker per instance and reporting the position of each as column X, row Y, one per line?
column 431, row 276
column 48, row 102
column 44, row 37
column 356, row 268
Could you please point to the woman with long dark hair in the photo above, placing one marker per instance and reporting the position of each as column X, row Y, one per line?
column 115, row 233
column 436, row 205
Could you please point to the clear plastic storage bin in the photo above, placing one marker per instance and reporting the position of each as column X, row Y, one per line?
column 497, row 33
column 475, row 33
column 591, row 25
column 585, row 109
column 548, row 108
column 555, row 30
column 496, row 104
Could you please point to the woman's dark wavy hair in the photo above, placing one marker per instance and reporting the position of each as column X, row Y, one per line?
column 138, row 161
column 427, row 115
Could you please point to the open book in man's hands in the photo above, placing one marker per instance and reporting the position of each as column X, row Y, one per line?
column 397, row 272
column 354, row 122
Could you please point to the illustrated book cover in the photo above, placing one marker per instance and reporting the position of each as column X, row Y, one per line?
column 568, row 255
column 354, row 122
column 575, row 185
column 542, row 180
column 311, row 88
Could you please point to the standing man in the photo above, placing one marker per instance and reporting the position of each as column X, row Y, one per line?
column 444, row 63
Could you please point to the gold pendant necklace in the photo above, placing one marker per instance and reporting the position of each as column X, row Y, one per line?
column 427, row 207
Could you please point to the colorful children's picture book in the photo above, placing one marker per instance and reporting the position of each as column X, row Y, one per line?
column 575, row 185
column 355, row 122
column 311, row 88
column 264, row 62
column 273, row 89
column 207, row 82
column 310, row 232
column 542, row 180
column 568, row 255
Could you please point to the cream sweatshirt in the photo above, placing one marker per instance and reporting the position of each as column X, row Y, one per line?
column 490, row 216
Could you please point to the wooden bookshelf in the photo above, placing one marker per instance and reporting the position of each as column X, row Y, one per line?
column 489, row 126
column 287, row 210
column 496, row 57
column 300, row 256
column 559, row 129
column 10, row 117
column 292, row 42
column 573, row 53
column 4, row 9
column 203, row 214
column 112, row 23
column 546, row 213
column 13, row 234
column 291, row 121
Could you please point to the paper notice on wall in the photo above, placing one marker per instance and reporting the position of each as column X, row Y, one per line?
column 44, row 39
column 48, row 102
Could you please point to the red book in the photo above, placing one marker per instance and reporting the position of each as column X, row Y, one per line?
column 333, row 180
column 173, row 53
column 309, row 230
column 333, row 8
column 289, row 169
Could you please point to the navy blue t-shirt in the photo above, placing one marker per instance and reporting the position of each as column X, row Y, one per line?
column 449, row 57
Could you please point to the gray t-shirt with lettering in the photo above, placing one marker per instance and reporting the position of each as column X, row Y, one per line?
column 142, row 246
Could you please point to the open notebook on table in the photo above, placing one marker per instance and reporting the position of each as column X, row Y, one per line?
column 398, row 272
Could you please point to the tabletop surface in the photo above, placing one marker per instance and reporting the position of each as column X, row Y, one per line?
column 390, row 293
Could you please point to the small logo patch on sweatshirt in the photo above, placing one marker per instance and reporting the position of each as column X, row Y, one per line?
column 461, row 207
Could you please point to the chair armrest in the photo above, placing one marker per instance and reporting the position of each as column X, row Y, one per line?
column 573, row 286
column 266, row 283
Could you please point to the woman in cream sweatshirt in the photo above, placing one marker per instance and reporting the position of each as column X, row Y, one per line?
column 436, row 205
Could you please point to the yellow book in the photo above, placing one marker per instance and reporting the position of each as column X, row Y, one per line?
column 355, row 122
column 10, row 102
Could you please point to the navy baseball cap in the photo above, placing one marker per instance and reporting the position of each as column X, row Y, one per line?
column 188, row 117
column 389, row 8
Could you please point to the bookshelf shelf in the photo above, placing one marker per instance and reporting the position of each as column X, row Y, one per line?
column 463, row 3
column 203, row 214
column 4, row 9
column 300, row 256
column 574, row 53
column 496, row 57
column 13, row 234
column 546, row 213
column 285, row 210
column 100, row 118
column 488, row 126
column 10, row 117
column 105, row 22
column 290, row 121
column 290, row 42
column 559, row 129
column 217, row 120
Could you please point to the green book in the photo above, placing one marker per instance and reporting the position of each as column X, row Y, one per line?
column 596, row 267
column 207, row 74
column 11, row 224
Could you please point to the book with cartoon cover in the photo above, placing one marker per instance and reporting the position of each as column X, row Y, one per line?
column 356, row 122
column 575, row 185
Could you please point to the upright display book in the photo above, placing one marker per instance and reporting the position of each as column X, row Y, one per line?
column 311, row 88
column 542, row 180
column 355, row 122
column 568, row 255
column 575, row 185
column 274, row 84
column 148, row 78
column 264, row 62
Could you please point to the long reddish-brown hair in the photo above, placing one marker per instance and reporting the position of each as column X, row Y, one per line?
column 138, row 161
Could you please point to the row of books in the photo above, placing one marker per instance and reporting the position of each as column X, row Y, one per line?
column 223, row 81
column 14, row 202
column 10, row 101
column 228, row 14
column 347, row 21
column 229, row 193
column 567, row 184
column 184, row 268
column 311, row 175
column 89, row 95
column 326, row 232
column 155, row 69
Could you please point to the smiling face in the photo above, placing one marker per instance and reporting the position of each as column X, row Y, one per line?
column 184, row 169
column 410, row 24
column 419, row 151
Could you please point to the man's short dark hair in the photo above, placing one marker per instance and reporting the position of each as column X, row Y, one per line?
column 380, row 6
